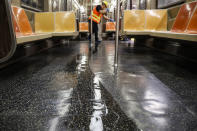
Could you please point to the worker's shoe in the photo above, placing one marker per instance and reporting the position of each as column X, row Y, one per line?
column 90, row 44
column 99, row 41
column 95, row 50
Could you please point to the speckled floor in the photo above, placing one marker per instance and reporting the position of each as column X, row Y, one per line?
column 65, row 88
column 150, row 87
column 56, row 91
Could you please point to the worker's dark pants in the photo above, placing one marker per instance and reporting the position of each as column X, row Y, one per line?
column 95, row 31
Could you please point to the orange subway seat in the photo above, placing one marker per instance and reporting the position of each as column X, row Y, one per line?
column 192, row 27
column 15, row 25
column 183, row 17
column 22, row 21
column 110, row 26
column 83, row 26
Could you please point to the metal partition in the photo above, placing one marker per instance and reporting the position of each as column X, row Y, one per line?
column 7, row 35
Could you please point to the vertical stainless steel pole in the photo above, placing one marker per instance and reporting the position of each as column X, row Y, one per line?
column 117, row 32
column 71, row 5
column 128, row 4
column 91, row 30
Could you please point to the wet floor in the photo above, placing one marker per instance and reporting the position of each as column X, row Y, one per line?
column 150, row 87
column 92, row 107
column 56, row 91
column 64, row 88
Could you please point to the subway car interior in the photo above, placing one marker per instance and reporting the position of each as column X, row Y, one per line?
column 98, row 65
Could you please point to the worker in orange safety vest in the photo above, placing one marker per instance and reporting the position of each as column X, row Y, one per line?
column 98, row 12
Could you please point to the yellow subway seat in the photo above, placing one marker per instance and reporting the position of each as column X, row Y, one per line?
column 134, row 20
column 44, row 22
column 65, row 22
column 156, row 20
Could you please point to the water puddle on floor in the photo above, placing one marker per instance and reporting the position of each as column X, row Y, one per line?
column 92, row 107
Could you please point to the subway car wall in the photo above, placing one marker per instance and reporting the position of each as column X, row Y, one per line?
column 184, row 49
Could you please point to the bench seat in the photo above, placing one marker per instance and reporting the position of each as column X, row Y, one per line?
column 178, row 36
column 31, row 38
column 163, row 34
column 110, row 31
column 65, row 34
column 136, row 33
column 84, row 31
column 35, row 37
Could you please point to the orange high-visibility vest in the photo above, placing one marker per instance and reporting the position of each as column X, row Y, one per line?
column 96, row 16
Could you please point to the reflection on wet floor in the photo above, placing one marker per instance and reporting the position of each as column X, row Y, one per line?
column 92, row 107
column 55, row 91
column 143, row 90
